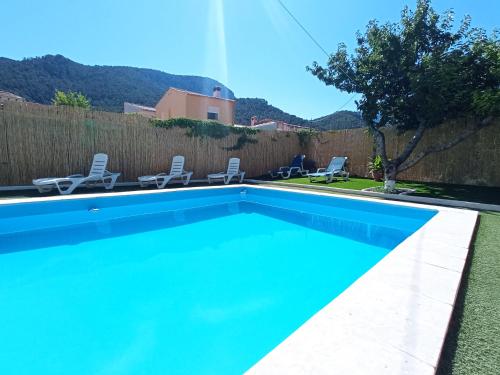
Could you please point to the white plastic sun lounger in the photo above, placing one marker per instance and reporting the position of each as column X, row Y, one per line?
column 176, row 172
column 335, row 168
column 233, row 170
column 66, row 185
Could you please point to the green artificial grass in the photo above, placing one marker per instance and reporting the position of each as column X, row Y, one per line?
column 473, row 342
column 480, row 194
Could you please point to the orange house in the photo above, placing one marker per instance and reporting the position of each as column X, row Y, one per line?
column 180, row 103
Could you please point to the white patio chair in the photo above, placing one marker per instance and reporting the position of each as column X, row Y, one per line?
column 162, row 179
column 233, row 170
column 66, row 185
column 335, row 168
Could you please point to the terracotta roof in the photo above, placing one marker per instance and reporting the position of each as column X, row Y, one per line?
column 8, row 96
column 143, row 107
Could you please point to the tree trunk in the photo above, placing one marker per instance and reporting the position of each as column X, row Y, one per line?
column 390, row 173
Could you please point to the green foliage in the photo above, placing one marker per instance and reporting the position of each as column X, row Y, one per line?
column 375, row 165
column 70, row 98
column 418, row 74
column 304, row 137
column 242, row 140
column 418, row 71
column 211, row 129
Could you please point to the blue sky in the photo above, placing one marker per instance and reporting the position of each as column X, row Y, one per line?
column 252, row 46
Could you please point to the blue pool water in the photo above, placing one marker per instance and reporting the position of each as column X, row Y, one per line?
column 195, row 282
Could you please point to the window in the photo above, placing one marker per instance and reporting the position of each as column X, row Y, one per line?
column 212, row 116
column 213, row 113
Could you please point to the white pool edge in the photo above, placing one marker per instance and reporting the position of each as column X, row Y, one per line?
column 392, row 320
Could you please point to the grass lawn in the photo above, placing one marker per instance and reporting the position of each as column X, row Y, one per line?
column 473, row 342
column 480, row 194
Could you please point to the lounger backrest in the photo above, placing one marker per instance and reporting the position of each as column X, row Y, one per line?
column 297, row 161
column 177, row 165
column 233, row 167
column 337, row 163
column 99, row 165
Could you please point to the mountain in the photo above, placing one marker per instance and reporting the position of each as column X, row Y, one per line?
column 248, row 107
column 338, row 121
column 108, row 87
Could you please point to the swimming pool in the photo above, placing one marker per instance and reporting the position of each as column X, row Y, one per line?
column 201, row 281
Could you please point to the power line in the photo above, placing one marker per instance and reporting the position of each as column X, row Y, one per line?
column 318, row 45
column 348, row 101
column 303, row 28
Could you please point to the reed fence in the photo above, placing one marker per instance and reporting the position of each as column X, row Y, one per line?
column 42, row 141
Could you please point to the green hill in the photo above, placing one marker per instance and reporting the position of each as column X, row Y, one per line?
column 338, row 121
column 248, row 107
column 108, row 87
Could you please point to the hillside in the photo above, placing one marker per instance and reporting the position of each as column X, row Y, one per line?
column 248, row 107
column 338, row 121
column 107, row 87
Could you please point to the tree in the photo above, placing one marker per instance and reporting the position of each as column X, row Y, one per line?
column 417, row 75
column 70, row 98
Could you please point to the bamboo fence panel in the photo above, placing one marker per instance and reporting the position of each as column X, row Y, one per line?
column 43, row 141
column 475, row 161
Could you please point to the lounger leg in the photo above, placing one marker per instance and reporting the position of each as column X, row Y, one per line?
column 188, row 178
column 111, row 184
column 242, row 176
column 166, row 180
column 44, row 188
column 69, row 189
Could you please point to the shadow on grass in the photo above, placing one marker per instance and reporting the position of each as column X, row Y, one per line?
column 448, row 353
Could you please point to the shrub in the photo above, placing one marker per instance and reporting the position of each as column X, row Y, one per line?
column 211, row 129
column 70, row 98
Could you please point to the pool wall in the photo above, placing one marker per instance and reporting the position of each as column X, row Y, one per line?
column 392, row 320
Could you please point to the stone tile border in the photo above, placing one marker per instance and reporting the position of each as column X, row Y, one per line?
column 392, row 320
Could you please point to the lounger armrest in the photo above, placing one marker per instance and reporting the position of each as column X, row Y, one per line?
column 319, row 170
column 108, row 173
column 76, row 176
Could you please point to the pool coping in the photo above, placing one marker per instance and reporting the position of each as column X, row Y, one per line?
column 392, row 320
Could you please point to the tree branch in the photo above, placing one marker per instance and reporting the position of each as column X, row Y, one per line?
column 445, row 146
column 410, row 146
